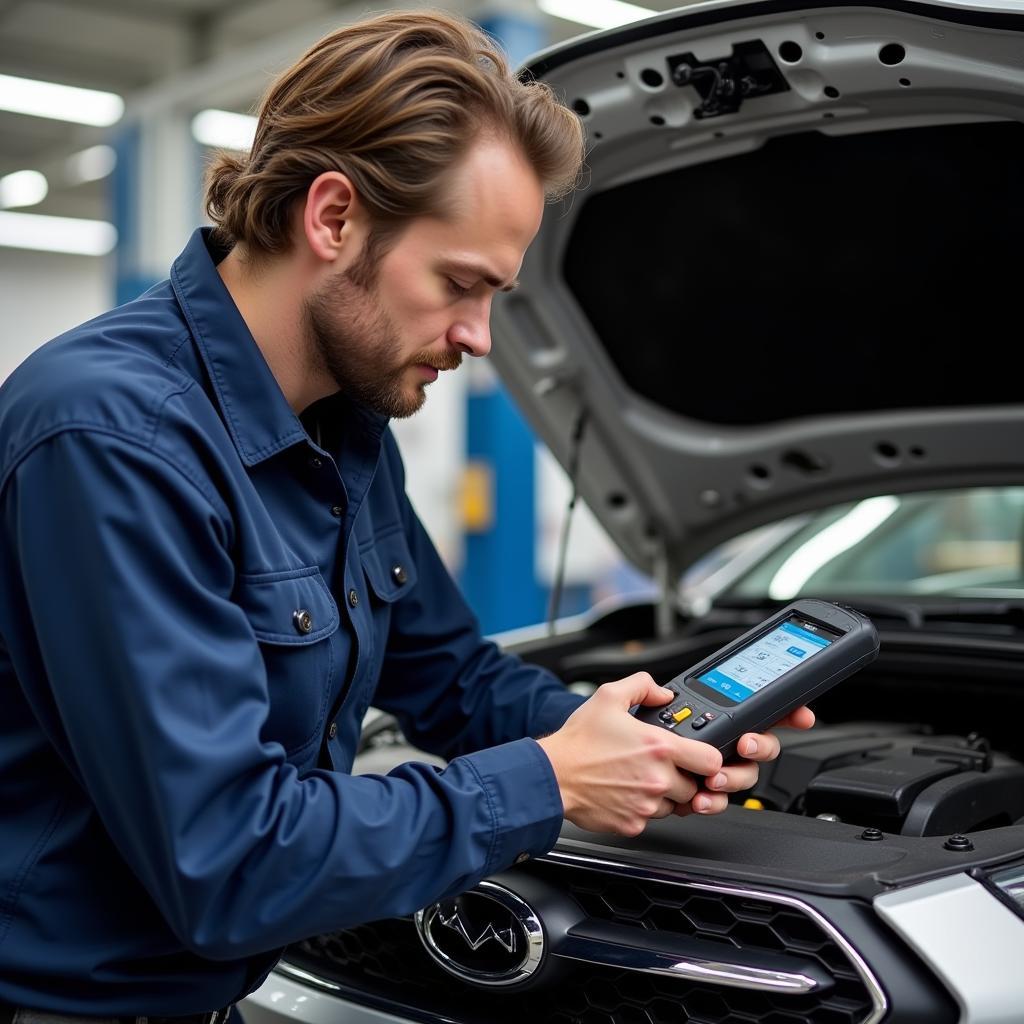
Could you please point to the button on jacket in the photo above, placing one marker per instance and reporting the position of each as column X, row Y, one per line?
column 197, row 605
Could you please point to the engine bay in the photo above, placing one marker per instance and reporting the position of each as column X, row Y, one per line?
column 893, row 779
column 910, row 746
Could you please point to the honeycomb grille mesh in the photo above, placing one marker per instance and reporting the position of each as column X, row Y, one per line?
column 385, row 960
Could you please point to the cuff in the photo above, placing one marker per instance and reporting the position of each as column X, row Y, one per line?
column 523, row 798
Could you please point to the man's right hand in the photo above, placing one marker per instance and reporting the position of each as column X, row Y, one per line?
column 616, row 773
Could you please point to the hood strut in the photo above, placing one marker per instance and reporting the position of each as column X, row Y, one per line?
column 665, row 578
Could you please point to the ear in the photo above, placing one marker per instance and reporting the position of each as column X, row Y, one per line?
column 332, row 218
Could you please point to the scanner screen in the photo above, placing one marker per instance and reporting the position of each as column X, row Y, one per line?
column 767, row 658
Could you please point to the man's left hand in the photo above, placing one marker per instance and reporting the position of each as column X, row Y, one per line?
column 740, row 775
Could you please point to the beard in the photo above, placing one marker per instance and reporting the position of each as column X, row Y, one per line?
column 356, row 344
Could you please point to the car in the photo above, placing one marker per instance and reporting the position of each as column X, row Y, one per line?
column 781, row 310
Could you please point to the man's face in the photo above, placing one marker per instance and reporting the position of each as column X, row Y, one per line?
column 382, row 330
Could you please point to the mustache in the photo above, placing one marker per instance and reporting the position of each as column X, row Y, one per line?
column 448, row 360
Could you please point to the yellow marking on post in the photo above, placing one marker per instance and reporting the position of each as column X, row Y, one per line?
column 476, row 498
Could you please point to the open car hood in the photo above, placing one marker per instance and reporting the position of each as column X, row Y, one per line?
column 791, row 278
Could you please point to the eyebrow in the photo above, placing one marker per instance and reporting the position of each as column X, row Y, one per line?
column 483, row 273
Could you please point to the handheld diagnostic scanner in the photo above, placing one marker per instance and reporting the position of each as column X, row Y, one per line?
column 789, row 659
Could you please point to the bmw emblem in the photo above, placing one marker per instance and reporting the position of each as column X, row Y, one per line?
column 487, row 936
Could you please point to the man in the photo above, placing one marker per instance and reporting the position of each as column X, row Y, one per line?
column 210, row 568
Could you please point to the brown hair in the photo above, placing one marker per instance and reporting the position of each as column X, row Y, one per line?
column 392, row 102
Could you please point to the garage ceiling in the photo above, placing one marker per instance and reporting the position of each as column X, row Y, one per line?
column 130, row 47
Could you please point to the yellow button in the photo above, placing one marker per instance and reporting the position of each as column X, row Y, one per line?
column 682, row 715
column 752, row 804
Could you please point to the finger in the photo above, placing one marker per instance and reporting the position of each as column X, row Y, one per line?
column 694, row 756
column 708, row 803
column 759, row 746
column 665, row 808
column 802, row 718
column 639, row 688
column 734, row 777
column 682, row 788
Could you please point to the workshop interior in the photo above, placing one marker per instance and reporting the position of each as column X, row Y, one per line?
column 751, row 422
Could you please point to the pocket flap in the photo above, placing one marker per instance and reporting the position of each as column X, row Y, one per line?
column 388, row 566
column 292, row 607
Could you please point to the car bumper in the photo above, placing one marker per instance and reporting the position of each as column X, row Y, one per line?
column 285, row 996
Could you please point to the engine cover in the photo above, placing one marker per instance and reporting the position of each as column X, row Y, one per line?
column 894, row 778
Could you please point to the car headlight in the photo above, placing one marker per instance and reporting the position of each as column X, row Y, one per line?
column 1008, row 884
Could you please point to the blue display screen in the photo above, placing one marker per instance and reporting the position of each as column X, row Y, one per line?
column 759, row 664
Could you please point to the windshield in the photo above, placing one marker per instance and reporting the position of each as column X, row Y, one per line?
column 963, row 543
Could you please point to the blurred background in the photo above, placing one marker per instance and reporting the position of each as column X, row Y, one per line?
column 108, row 112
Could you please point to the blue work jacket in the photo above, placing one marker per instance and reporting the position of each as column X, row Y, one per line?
column 197, row 605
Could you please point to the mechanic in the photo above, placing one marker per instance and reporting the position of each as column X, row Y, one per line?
column 210, row 568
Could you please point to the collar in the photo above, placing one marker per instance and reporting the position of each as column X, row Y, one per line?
column 258, row 416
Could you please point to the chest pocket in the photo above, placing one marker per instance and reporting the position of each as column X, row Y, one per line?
column 388, row 566
column 295, row 620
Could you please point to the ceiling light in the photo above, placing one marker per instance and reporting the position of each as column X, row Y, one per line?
column 90, row 164
column 22, row 188
column 595, row 13
column 61, row 102
column 224, row 130
column 57, row 234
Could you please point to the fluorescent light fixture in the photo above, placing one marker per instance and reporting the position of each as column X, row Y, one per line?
column 22, row 188
column 57, row 234
column 90, row 164
column 595, row 13
column 60, row 102
column 846, row 531
column 224, row 130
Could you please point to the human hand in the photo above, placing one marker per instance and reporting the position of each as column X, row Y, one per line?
column 737, row 776
column 615, row 773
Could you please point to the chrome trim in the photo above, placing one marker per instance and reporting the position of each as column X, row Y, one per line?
column 715, row 972
column 298, row 974
column 283, row 1000
column 530, row 930
column 878, row 999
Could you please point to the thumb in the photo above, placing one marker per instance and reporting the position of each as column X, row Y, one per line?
column 640, row 688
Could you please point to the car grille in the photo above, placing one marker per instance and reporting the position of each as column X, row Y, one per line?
column 386, row 961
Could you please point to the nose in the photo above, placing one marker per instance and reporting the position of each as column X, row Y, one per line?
column 471, row 333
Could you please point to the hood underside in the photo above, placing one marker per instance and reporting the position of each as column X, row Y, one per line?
column 790, row 278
